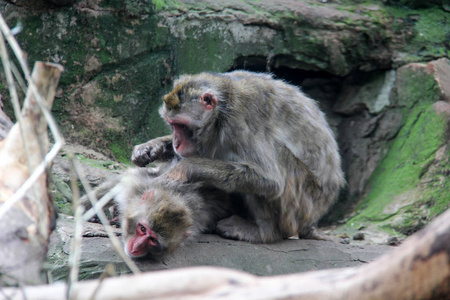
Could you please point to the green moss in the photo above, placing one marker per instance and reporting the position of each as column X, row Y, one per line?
column 414, row 86
column 433, row 25
column 437, row 192
column 306, row 42
column 166, row 4
column 105, row 56
column 408, row 188
column 96, row 163
column 153, row 126
column 425, row 30
column 121, row 152
column 65, row 208
column 61, row 195
column 206, row 49
column 409, row 157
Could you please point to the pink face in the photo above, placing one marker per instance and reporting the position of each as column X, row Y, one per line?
column 183, row 127
column 144, row 239
column 182, row 140
column 143, row 242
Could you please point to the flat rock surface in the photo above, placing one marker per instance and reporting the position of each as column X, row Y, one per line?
column 289, row 256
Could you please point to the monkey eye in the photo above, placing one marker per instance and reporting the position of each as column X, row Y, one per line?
column 153, row 240
column 142, row 229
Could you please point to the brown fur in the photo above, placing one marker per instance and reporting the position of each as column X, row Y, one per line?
column 176, row 212
column 171, row 99
column 259, row 137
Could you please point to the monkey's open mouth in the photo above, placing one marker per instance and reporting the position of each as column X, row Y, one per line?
column 182, row 139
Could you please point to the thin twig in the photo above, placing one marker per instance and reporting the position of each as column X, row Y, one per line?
column 101, row 215
column 19, row 78
column 100, row 203
column 15, row 47
column 13, row 91
column 108, row 272
column 59, row 140
column 75, row 246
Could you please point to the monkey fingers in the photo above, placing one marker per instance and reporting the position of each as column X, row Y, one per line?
column 159, row 148
column 141, row 156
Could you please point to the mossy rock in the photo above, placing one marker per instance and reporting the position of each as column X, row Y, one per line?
column 93, row 165
column 409, row 187
column 130, row 51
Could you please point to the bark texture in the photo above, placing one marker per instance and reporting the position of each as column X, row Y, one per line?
column 25, row 227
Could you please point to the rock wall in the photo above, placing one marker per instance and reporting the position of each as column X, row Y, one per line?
column 121, row 56
column 410, row 186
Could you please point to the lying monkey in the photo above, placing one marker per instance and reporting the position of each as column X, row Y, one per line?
column 157, row 213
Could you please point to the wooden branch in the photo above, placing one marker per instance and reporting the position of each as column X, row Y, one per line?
column 25, row 226
column 418, row 269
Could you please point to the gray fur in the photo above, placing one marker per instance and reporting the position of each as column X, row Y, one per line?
column 177, row 213
column 266, row 140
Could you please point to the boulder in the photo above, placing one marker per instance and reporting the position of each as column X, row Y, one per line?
column 409, row 186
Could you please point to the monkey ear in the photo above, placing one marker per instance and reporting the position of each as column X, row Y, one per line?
column 209, row 101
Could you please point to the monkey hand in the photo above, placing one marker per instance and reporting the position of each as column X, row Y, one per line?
column 159, row 148
column 144, row 154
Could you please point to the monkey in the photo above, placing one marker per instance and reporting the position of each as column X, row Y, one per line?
column 262, row 138
column 158, row 214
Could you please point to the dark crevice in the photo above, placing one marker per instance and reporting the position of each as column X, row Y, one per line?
column 319, row 85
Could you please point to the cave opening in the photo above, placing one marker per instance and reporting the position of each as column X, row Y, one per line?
column 319, row 85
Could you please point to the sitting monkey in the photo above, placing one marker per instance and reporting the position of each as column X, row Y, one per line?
column 249, row 134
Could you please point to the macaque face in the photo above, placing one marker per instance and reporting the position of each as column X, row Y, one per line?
column 143, row 242
column 156, row 225
column 184, row 110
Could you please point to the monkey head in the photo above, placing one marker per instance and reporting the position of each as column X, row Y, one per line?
column 187, row 109
column 155, row 224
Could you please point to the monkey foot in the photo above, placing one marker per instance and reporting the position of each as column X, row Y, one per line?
column 237, row 228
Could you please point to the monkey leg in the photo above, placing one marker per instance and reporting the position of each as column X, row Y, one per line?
column 237, row 228
column 156, row 149
column 314, row 234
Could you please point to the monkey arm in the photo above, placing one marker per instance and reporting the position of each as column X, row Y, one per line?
column 124, row 182
column 100, row 191
column 156, row 149
column 227, row 176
